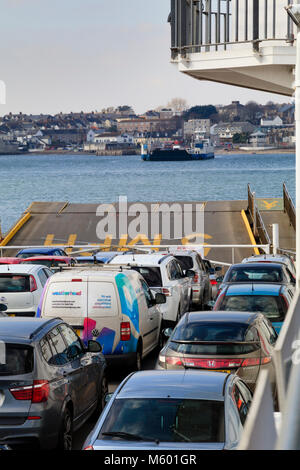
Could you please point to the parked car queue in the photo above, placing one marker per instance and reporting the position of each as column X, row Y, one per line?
column 121, row 293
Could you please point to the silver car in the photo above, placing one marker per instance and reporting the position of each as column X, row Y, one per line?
column 165, row 410
column 278, row 259
column 201, row 285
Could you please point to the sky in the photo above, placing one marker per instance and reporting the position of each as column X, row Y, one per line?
column 86, row 55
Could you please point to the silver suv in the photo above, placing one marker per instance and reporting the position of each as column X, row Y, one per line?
column 201, row 287
column 50, row 384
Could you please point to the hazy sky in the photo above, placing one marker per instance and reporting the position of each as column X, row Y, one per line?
column 73, row 55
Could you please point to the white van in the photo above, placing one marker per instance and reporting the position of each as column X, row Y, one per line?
column 113, row 306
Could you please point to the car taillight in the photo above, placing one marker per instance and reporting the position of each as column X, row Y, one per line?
column 125, row 331
column 167, row 291
column 266, row 360
column 174, row 361
column 213, row 282
column 33, row 285
column 36, row 393
column 196, row 278
column 89, row 448
column 251, row 361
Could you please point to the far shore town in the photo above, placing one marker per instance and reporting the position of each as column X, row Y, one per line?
column 120, row 131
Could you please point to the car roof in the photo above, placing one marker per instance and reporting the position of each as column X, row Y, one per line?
column 19, row 268
column 174, row 384
column 50, row 258
column 153, row 259
column 23, row 328
column 39, row 250
column 86, row 272
column 282, row 258
column 219, row 316
column 252, row 288
column 257, row 265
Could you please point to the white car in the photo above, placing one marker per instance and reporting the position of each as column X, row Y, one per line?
column 163, row 273
column 279, row 259
column 21, row 287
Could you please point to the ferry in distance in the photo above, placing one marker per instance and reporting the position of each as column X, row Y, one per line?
column 202, row 150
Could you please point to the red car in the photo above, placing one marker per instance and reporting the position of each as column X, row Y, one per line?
column 50, row 261
column 10, row 260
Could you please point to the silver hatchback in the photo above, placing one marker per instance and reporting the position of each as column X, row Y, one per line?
column 165, row 410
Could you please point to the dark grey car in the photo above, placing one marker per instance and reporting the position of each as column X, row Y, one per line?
column 50, row 384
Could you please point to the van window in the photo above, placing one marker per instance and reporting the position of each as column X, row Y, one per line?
column 152, row 275
column 102, row 299
column 66, row 299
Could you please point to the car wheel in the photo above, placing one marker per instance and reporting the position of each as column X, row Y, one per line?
column 102, row 392
column 65, row 441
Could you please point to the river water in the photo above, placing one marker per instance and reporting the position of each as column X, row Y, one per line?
column 91, row 179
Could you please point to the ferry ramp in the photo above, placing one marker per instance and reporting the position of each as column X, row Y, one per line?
column 65, row 224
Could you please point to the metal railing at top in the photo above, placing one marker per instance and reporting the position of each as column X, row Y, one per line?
column 258, row 226
column 146, row 249
column 289, row 207
column 213, row 25
column 259, row 432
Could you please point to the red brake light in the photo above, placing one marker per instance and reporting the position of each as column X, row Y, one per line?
column 213, row 282
column 89, row 448
column 196, row 278
column 36, row 393
column 33, row 285
column 76, row 280
column 167, row 291
column 251, row 361
column 266, row 360
column 174, row 361
column 125, row 331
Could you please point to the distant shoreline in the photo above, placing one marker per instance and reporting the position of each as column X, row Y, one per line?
column 254, row 152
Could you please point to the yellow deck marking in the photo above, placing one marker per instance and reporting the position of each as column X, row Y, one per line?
column 15, row 229
column 250, row 233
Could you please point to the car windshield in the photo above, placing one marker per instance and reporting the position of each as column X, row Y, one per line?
column 152, row 275
column 27, row 255
column 14, row 283
column 211, row 332
column 255, row 274
column 271, row 306
column 166, row 420
column 16, row 359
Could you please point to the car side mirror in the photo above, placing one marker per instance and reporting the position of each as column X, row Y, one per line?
column 160, row 298
column 94, row 347
column 211, row 270
column 218, row 268
column 190, row 273
column 3, row 308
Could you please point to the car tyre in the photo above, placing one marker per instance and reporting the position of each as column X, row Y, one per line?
column 138, row 358
column 65, row 439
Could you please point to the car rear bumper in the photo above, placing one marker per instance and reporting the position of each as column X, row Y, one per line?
column 32, row 434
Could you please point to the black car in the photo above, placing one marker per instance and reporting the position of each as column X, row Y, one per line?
column 50, row 383
column 239, row 343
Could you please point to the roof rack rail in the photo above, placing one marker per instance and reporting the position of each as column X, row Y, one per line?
column 35, row 332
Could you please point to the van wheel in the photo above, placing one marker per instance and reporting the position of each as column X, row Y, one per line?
column 138, row 358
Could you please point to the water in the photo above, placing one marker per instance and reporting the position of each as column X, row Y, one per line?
column 92, row 179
